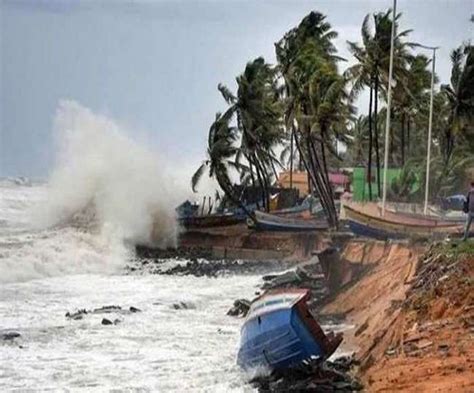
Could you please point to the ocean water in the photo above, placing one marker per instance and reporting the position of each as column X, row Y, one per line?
column 45, row 273
column 65, row 245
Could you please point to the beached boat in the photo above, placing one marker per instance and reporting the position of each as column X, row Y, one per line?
column 212, row 220
column 280, row 332
column 271, row 222
column 368, row 221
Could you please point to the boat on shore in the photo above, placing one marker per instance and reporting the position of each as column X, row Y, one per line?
column 280, row 332
column 212, row 220
column 367, row 220
column 271, row 222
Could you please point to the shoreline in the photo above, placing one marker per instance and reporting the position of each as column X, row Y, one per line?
column 372, row 285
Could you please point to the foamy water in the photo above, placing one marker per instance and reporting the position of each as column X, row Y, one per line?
column 51, row 263
column 46, row 273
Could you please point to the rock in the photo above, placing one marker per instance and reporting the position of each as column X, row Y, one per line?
column 183, row 306
column 314, row 377
column 106, row 309
column 106, row 321
column 134, row 309
column 282, row 280
column 10, row 335
column 240, row 308
column 79, row 314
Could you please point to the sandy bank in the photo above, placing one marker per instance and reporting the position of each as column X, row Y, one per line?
column 412, row 313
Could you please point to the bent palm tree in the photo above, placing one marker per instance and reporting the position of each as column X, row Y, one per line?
column 221, row 152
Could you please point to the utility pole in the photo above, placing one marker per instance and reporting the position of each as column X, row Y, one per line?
column 389, row 103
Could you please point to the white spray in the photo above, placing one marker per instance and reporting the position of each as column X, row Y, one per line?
column 97, row 165
column 105, row 194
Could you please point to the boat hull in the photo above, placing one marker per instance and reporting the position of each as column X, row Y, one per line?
column 394, row 226
column 277, row 340
column 281, row 333
column 270, row 222
column 211, row 221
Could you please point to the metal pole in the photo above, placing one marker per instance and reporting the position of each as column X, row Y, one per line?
column 430, row 122
column 389, row 103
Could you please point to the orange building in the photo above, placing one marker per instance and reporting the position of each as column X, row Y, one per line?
column 300, row 181
column 339, row 181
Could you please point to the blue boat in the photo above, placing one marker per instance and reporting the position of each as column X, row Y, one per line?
column 281, row 333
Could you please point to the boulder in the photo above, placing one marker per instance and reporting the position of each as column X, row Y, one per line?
column 10, row 335
column 240, row 308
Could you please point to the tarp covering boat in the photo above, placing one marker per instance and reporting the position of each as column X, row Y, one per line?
column 280, row 332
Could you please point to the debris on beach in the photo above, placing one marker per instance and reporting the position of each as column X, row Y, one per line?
column 304, row 276
column 184, row 306
column 8, row 336
column 240, row 308
column 81, row 313
column 328, row 376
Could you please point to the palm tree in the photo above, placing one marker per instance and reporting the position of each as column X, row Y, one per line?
column 220, row 151
column 371, row 71
column 315, row 28
column 359, row 139
column 410, row 96
column 316, row 101
column 256, row 112
column 460, row 95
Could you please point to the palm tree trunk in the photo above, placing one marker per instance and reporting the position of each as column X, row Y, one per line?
column 408, row 136
column 377, row 150
column 320, row 183
column 369, row 160
column 263, row 182
column 318, row 188
column 323, row 153
column 253, row 179
column 402, row 139
column 312, row 183
column 274, row 170
column 323, row 182
column 291, row 156
column 260, row 182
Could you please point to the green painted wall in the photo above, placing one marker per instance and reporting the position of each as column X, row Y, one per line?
column 360, row 187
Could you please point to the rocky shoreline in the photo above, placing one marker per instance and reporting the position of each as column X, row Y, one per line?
column 276, row 274
column 368, row 285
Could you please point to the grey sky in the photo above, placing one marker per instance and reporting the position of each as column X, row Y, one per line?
column 155, row 66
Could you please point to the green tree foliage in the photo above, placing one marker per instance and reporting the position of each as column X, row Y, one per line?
column 251, row 129
column 317, row 105
column 303, row 109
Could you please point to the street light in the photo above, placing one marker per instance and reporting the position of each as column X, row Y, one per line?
column 430, row 123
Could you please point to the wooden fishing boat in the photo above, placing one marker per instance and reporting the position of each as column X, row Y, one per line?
column 280, row 332
column 271, row 222
column 212, row 220
column 369, row 222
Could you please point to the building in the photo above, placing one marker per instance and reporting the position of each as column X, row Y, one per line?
column 339, row 181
